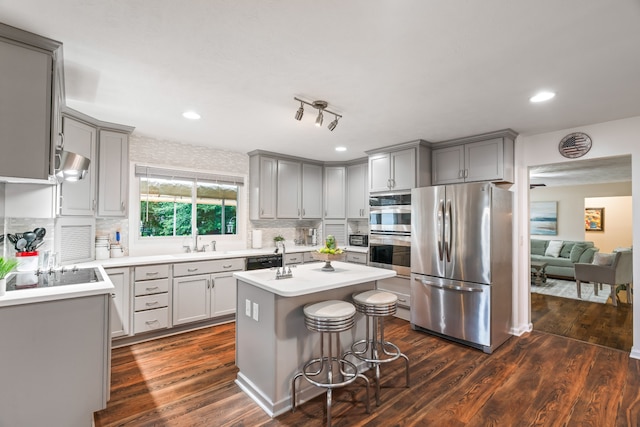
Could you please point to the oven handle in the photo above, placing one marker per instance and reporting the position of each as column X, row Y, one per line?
column 448, row 287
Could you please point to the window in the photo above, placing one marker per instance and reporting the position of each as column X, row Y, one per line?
column 171, row 202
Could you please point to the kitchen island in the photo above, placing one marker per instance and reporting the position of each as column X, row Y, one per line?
column 272, row 341
column 56, row 353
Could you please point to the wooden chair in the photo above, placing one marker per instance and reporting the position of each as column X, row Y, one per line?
column 616, row 273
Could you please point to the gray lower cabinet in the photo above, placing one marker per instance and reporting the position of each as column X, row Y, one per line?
column 151, row 298
column 204, row 289
column 357, row 257
column 120, row 312
column 401, row 287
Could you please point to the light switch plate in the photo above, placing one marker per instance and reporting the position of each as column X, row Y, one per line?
column 255, row 311
column 247, row 308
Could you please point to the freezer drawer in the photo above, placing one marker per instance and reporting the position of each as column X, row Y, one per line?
column 454, row 309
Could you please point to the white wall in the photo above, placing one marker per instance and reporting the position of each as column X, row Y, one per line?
column 617, row 224
column 571, row 204
column 615, row 138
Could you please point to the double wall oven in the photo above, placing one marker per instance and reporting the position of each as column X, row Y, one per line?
column 390, row 232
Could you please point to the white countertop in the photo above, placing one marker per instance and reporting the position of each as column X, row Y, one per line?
column 53, row 293
column 130, row 261
column 309, row 278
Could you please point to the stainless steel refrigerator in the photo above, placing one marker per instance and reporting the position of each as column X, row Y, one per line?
column 461, row 263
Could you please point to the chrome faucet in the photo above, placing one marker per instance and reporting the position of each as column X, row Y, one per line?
column 213, row 245
column 286, row 273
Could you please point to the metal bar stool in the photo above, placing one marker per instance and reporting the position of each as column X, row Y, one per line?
column 329, row 370
column 373, row 349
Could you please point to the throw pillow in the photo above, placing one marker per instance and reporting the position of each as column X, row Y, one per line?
column 587, row 255
column 553, row 250
column 603, row 259
column 538, row 246
column 576, row 251
column 565, row 252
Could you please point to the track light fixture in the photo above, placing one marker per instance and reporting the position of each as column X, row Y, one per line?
column 321, row 106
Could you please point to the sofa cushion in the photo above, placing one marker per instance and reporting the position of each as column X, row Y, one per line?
column 565, row 252
column 538, row 246
column 577, row 250
column 554, row 248
column 603, row 259
column 587, row 255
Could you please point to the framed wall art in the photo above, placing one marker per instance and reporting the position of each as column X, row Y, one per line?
column 594, row 219
column 543, row 218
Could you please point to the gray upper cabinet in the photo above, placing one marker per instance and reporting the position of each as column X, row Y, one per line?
column 289, row 189
column 30, row 94
column 311, row 191
column 263, row 180
column 79, row 197
column 357, row 192
column 487, row 157
column 335, row 192
column 113, row 182
column 399, row 168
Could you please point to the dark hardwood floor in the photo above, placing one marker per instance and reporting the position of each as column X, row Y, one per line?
column 537, row 379
column 602, row 324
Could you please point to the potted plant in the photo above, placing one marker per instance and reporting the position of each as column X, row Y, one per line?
column 6, row 266
column 278, row 239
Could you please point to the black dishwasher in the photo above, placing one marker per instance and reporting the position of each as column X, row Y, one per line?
column 264, row 261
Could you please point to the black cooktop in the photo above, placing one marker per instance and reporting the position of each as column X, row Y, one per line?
column 74, row 276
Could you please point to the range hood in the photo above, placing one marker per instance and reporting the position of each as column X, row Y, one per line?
column 71, row 166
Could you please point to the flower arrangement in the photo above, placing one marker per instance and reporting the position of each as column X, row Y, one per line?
column 7, row 266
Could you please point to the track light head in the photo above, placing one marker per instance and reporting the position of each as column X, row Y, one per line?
column 333, row 124
column 319, row 119
column 300, row 112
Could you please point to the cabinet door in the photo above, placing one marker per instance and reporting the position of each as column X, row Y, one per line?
column 120, row 311
column 25, row 116
column 448, row 165
column 357, row 192
column 379, row 172
column 78, row 198
column 311, row 191
column 267, row 190
column 334, row 192
column 289, row 189
column 403, row 169
column 113, row 174
column 191, row 299
column 484, row 160
column 223, row 294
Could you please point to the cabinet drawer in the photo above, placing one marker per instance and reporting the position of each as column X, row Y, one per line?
column 357, row 257
column 404, row 300
column 309, row 258
column 297, row 258
column 147, row 272
column 148, row 287
column 150, row 320
column 149, row 302
column 206, row 267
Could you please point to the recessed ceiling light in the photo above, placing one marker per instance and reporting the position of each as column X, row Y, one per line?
column 542, row 96
column 192, row 115
column 341, row 148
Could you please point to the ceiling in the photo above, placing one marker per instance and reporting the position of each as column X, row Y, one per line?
column 582, row 172
column 396, row 70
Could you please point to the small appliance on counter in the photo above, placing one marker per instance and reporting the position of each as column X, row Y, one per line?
column 102, row 247
column 358, row 240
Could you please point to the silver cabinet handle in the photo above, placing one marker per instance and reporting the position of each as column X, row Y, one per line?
column 152, row 273
column 151, row 288
column 191, row 270
column 113, row 295
column 151, row 322
column 149, row 304
column 227, row 266
column 122, row 206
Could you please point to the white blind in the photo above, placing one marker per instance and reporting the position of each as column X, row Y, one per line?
column 164, row 173
column 77, row 242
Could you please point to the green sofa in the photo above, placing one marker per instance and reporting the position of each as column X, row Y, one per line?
column 562, row 265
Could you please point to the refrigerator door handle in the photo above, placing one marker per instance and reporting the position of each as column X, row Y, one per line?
column 448, row 287
column 440, row 231
column 447, row 231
